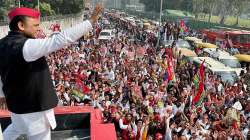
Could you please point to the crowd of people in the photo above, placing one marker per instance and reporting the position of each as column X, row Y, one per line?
column 127, row 80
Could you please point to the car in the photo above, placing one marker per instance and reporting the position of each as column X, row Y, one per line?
column 192, row 40
column 215, row 52
column 227, row 74
column 139, row 23
column 244, row 59
column 106, row 34
column 209, row 62
column 225, row 58
column 183, row 47
column 179, row 43
column 232, row 62
column 130, row 19
column 105, row 21
column 205, row 45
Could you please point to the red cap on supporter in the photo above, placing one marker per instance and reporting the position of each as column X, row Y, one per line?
column 113, row 110
column 157, row 117
column 23, row 11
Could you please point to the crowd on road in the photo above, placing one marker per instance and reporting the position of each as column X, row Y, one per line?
column 127, row 78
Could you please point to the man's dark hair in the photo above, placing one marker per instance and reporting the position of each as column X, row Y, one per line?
column 14, row 22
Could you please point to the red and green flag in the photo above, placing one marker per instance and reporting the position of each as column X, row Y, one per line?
column 199, row 79
column 196, row 81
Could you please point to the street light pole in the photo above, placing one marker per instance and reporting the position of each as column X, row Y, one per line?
column 38, row 5
column 19, row 3
column 159, row 35
column 115, row 4
column 160, row 13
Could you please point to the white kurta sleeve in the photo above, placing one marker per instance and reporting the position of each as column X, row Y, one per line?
column 1, row 89
column 36, row 48
column 122, row 126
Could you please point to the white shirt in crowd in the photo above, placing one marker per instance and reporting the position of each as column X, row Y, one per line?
column 110, row 75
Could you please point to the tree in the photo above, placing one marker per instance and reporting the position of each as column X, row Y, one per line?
column 47, row 7
column 5, row 6
column 187, row 5
column 197, row 7
column 154, row 5
column 46, row 10
column 151, row 5
column 55, row 5
column 239, row 7
column 224, row 8
column 58, row 6
column 211, row 5
column 67, row 6
column 28, row 3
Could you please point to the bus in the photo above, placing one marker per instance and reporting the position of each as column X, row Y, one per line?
column 240, row 38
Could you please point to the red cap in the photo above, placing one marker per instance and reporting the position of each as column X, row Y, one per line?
column 113, row 110
column 157, row 117
column 23, row 11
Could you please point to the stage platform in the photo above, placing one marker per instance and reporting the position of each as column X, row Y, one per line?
column 74, row 123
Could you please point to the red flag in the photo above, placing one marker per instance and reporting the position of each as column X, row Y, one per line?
column 182, row 24
column 185, row 29
column 80, row 76
column 170, row 68
column 85, row 89
column 201, row 83
column 169, row 52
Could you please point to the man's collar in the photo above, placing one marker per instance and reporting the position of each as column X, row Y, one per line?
column 15, row 33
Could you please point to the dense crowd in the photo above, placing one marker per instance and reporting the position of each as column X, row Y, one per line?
column 126, row 78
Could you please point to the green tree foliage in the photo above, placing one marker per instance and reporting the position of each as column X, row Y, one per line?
column 46, row 10
column 209, row 9
column 4, row 6
column 222, row 8
column 154, row 5
column 198, row 7
column 66, row 6
column 186, row 5
column 47, row 7
column 239, row 6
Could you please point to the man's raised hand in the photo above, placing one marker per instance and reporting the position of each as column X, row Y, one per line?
column 3, row 105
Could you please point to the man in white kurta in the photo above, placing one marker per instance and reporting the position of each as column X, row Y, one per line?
column 37, row 125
